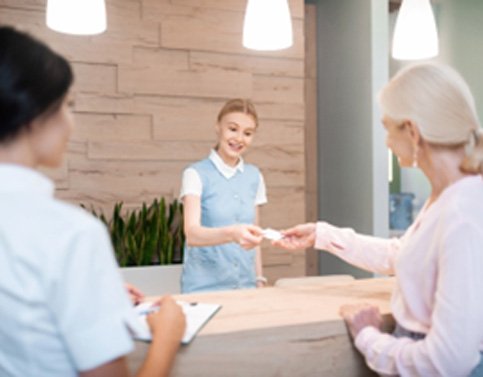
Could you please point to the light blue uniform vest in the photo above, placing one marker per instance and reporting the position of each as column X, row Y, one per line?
column 223, row 202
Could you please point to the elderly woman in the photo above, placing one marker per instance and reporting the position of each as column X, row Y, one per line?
column 431, row 124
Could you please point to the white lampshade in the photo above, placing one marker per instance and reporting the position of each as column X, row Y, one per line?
column 267, row 25
column 415, row 34
column 80, row 17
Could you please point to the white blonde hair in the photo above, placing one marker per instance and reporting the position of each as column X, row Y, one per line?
column 438, row 100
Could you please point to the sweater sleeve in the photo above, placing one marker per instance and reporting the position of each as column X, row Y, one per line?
column 367, row 252
column 451, row 347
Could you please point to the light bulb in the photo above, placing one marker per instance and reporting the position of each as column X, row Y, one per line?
column 267, row 25
column 415, row 34
column 80, row 17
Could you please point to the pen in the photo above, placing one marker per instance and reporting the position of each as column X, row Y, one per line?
column 146, row 308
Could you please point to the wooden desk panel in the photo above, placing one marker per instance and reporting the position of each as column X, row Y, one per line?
column 290, row 331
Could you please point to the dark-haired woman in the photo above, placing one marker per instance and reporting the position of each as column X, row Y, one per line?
column 64, row 311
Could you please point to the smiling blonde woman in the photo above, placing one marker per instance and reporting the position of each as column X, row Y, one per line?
column 221, row 196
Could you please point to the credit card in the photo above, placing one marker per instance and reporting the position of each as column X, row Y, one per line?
column 272, row 234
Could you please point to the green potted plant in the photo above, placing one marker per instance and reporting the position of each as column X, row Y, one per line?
column 148, row 243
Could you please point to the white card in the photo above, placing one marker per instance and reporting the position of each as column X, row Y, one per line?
column 272, row 234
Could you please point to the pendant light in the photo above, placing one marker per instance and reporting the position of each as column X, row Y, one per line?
column 415, row 34
column 80, row 17
column 267, row 25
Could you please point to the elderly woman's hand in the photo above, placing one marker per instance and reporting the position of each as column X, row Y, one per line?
column 359, row 316
column 297, row 238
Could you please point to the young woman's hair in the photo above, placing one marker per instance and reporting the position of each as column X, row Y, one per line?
column 239, row 105
column 438, row 100
column 33, row 81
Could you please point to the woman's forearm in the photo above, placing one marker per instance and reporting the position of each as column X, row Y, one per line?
column 204, row 236
column 258, row 262
column 160, row 357
column 366, row 252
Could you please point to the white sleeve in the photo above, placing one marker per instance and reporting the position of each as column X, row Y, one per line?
column 191, row 183
column 88, row 299
column 261, row 197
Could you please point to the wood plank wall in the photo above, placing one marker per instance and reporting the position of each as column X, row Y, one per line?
column 147, row 93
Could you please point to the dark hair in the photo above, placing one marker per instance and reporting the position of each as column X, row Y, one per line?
column 33, row 80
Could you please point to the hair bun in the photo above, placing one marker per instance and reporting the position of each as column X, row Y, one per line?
column 473, row 161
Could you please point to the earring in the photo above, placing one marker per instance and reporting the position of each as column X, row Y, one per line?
column 415, row 156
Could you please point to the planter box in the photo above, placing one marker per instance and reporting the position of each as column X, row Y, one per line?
column 154, row 280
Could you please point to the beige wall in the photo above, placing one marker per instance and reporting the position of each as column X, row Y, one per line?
column 147, row 92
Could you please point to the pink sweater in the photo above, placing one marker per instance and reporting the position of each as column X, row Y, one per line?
column 438, row 265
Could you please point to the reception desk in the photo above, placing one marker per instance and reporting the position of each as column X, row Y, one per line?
column 289, row 331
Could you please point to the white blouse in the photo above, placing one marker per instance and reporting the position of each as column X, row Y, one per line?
column 63, row 305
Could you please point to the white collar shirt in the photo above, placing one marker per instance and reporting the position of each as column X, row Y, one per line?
column 191, row 182
column 63, row 305
column 226, row 170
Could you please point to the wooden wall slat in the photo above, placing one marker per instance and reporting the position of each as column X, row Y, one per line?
column 282, row 111
column 95, row 78
column 150, row 150
column 296, row 7
column 151, row 8
column 281, row 177
column 160, row 59
column 173, row 81
column 111, row 127
column 24, row 4
column 122, row 103
column 284, row 67
column 269, row 156
column 278, row 89
column 283, row 209
column 130, row 177
column 279, row 132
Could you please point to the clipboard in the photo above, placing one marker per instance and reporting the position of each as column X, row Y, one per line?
column 197, row 315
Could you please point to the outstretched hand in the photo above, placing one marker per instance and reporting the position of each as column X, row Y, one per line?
column 247, row 236
column 296, row 238
column 359, row 316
